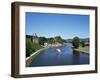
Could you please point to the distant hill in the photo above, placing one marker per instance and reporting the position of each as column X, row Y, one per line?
column 69, row 40
column 85, row 39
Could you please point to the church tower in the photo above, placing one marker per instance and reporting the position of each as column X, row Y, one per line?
column 35, row 38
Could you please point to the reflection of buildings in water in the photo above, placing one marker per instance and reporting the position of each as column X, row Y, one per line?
column 76, row 57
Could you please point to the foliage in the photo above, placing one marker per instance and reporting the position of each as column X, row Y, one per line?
column 64, row 41
column 83, row 44
column 50, row 40
column 36, row 46
column 76, row 42
column 42, row 40
column 31, row 47
column 60, row 40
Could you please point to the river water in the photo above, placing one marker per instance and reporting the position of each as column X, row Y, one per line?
column 67, row 56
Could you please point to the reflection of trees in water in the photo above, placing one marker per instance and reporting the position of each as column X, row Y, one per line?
column 76, row 57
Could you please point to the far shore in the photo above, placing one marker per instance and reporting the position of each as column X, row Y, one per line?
column 83, row 49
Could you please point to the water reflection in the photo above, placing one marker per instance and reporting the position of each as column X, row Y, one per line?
column 80, row 58
column 76, row 57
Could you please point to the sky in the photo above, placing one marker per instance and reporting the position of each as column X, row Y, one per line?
column 50, row 25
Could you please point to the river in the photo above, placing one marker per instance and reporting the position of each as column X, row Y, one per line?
column 67, row 56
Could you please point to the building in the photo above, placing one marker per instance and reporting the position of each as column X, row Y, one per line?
column 45, row 44
column 35, row 38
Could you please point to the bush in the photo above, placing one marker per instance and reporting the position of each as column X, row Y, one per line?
column 42, row 40
column 83, row 44
column 76, row 42
column 36, row 46
column 31, row 47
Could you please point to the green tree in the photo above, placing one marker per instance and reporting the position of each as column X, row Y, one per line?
column 42, row 40
column 64, row 41
column 83, row 44
column 76, row 42
column 50, row 40
column 59, row 39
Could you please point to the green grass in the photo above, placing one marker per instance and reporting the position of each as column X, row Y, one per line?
column 31, row 47
column 36, row 46
column 83, row 49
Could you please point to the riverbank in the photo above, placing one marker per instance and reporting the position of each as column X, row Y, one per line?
column 32, row 56
column 83, row 49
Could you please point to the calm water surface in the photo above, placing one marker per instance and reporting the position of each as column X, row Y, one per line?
column 67, row 56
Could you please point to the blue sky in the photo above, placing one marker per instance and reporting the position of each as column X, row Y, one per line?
column 65, row 25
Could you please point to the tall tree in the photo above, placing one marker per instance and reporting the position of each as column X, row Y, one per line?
column 76, row 42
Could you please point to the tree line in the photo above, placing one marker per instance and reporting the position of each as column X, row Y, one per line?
column 52, row 40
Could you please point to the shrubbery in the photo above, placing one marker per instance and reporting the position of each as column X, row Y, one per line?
column 83, row 44
column 31, row 47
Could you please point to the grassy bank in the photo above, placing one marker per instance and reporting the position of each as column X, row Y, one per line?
column 31, row 47
column 83, row 49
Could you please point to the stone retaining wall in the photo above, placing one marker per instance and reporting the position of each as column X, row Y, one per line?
column 30, row 58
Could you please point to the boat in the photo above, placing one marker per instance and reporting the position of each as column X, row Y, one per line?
column 58, row 50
